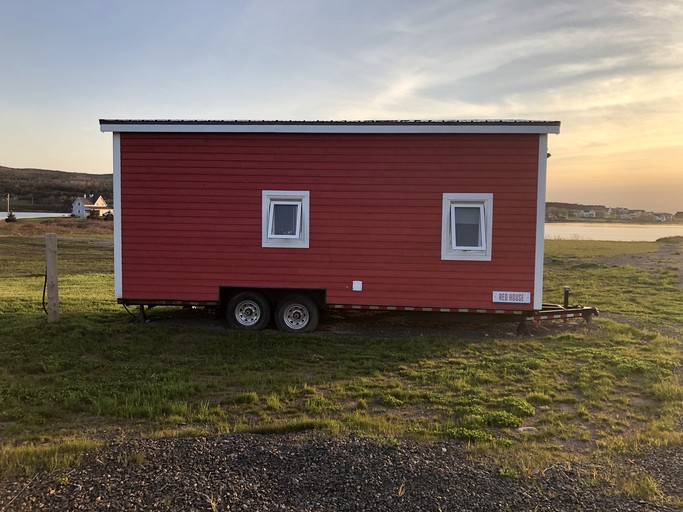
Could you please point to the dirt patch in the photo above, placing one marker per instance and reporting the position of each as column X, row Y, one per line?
column 59, row 225
column 100, row 242
column 668, row 256
column 381, row 324
column 417, row 325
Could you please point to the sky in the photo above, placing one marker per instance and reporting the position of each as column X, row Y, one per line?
column 610, row 71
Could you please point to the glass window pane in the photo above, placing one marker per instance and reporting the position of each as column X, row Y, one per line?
column 467, row 214
column 285, row 219
column 467, row 229
column 467, row 235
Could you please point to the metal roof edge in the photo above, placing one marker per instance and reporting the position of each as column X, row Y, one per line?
column 366, row 126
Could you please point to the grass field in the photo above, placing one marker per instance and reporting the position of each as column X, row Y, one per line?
column 589, row 391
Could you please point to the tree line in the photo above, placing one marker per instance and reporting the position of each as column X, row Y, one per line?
column 47, row 190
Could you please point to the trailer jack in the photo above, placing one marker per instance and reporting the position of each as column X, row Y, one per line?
column 558, row 312
column 141, row 317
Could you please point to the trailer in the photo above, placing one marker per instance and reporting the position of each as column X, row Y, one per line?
column 280, row 219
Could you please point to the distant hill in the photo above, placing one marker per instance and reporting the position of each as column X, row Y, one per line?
column 47, row 190
column 55, row 191
column 574, row 206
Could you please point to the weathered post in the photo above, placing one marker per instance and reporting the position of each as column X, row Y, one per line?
column 52, row 282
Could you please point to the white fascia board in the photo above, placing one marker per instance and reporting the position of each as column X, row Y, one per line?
column 118, row 264
column 540, row 221
column 169, row 127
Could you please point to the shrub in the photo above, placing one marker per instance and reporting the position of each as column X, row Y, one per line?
column 390, row 401
column 517, row 406
column 250, row 397
column 538, row 398
column 11, row 217
column 511, row 473
column 502, row 419
column 469, row 434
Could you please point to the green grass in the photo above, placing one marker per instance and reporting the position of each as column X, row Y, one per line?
column 608, row 388
column 29, row 457
column 647, row 298
column 595, row 248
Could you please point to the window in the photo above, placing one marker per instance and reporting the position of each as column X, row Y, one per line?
column 466, row 225
column 285, row 218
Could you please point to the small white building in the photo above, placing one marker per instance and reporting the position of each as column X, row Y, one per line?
column 663, row 217
column 82, row 205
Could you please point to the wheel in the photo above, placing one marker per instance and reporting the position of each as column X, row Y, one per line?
column 248, row 311
column 297, row 313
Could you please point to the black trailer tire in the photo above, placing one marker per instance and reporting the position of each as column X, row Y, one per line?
column 297, row 313
column 248, row 311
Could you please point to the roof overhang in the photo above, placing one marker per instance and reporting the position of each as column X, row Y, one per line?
column 449, row 126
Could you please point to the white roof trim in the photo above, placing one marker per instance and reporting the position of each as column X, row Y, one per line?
column 537, row 127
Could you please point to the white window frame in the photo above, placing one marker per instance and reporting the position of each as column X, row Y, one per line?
column 271, row 215
column 269, row 199
column 482, row 227
column 451, row 201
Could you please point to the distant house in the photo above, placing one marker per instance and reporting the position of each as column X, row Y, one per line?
column 82, row 206
column 663, row 217
column 627, row 214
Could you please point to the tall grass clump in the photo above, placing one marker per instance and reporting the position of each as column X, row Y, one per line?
column 26, row 459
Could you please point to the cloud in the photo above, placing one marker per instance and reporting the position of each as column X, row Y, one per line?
column 610, row 71
column 488, row 56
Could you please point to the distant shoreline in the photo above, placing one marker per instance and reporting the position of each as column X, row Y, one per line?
column 612, row 221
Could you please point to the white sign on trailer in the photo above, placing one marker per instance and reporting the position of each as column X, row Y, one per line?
column 512, row 297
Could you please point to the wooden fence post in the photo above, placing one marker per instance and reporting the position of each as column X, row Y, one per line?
column 52, row 282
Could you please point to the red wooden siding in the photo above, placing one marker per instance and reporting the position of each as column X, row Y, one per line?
column 190, row 211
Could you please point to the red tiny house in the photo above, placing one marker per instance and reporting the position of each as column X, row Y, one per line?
column 381, row 215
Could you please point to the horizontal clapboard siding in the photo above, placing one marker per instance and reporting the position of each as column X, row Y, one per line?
column 190, row 212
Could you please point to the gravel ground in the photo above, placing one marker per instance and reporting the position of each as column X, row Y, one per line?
column 310, row 472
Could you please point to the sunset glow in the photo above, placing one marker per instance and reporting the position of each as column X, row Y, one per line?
column 609, row 71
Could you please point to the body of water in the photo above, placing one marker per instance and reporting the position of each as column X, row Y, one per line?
column 34, row 215
column 553, row 230
column 611, row 231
